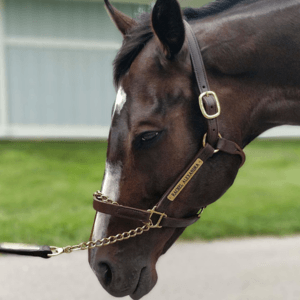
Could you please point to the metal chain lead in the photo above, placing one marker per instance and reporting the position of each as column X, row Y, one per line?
column 104, row 241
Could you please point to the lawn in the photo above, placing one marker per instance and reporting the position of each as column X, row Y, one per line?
column 46, row 193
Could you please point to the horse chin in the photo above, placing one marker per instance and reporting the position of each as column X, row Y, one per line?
column 148, row 277
column 147, row 281
column 136, row 289
column 173, row 239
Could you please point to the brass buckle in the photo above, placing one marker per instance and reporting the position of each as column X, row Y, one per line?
column 205, row 114
column 162, row 215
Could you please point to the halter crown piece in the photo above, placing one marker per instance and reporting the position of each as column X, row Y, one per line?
column 156, row 217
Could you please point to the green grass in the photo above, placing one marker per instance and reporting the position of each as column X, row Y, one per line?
column 46, row 193
column 46, row 190
column 264, row 200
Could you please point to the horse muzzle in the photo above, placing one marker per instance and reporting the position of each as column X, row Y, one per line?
column 131, row 276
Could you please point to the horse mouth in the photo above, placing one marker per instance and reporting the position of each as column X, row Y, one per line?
column 144, row 285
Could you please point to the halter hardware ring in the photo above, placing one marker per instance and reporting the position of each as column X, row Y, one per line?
column 205, row 114
column 204, row 142
column 56, row 251
column 153, row 211
column 199, row 213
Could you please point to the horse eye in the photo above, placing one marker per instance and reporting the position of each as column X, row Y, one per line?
column 147, row 139
column 148, row 136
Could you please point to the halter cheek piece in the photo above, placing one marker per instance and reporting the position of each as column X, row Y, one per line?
column 212, row 143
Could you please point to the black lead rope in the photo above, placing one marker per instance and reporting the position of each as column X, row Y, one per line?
column 25, row 249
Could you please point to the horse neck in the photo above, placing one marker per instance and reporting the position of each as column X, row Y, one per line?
column 252, row 57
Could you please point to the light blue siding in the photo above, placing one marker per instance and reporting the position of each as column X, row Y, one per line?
column 57, row 85
column 60, row 19
column 60, row 87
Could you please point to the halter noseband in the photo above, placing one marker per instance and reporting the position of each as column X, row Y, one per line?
column 212, row 143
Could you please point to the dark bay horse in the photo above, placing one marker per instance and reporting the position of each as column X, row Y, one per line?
column 251, row 53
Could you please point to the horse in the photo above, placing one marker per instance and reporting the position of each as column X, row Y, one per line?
column 250, row 51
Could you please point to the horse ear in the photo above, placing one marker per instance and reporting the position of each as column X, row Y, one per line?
column 123, row 22
column 168, row 26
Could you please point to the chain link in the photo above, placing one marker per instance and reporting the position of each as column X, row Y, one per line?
column 104, row 241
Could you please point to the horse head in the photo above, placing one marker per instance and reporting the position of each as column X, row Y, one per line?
column 156, row 130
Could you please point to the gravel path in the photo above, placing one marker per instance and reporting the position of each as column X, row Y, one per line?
column 246, row 269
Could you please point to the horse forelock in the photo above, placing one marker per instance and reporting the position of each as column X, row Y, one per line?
column 132, row 45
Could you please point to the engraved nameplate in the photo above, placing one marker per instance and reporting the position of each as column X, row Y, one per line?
column 185, row 179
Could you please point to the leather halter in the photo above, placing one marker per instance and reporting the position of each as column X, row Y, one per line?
column 212, row 143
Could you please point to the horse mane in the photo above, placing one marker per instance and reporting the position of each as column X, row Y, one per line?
column 141, row 34
column 212, row 8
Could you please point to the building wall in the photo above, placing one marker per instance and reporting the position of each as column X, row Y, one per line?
column 56, row 68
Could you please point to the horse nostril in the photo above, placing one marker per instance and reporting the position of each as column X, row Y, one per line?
column 106, row 273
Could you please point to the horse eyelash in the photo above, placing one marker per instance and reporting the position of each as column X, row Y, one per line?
column 144, row 139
